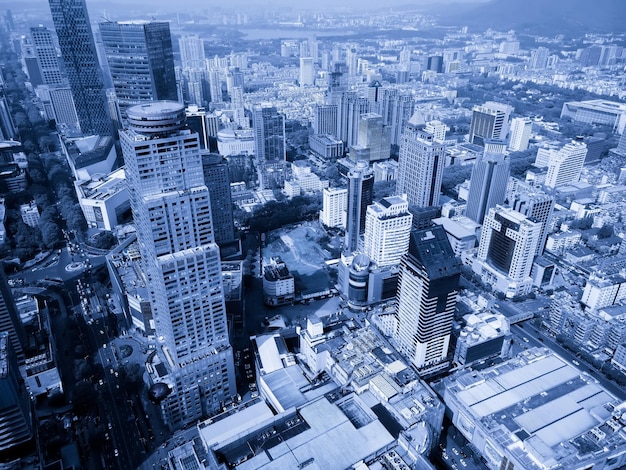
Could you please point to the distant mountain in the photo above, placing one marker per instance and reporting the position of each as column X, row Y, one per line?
column 544, row 17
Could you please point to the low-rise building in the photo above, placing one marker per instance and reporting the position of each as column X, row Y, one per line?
column 278, row 284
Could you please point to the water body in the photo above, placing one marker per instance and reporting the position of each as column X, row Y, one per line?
column 256, row 34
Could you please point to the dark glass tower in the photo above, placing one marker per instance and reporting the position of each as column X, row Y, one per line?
column 269, row 143
column 141, row 61
column 360, row 195
column 78, row 49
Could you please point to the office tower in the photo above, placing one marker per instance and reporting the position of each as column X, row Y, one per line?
column 141, row 61
column 539, row 58
column 421, row 161
column 521, row 128
column 172, row 211
column 360, row 195
column 427, row 291
column 215, row 86
column 437, row 129
column 269, row 145
column 78, row 50
column 387, row 230
column 15, row 417
column 352, row 60
column 435, row 63
column 46, row 55
column 374, row 95
column 396, row 109
column 234, row 79
column 508, row 243
column 239, row 113
column 565, row 166
column 217, row 180
column 334, row 206
column 9, row 316
column 337, row 81
column 28, row 57
column 490, row 121
column 534, row 204
column 372, row 141
column 307, row 73
column 488, row 183
column 349, row 111
column 325, row 119
column 8, row 130
column 62, row 102
column 192, row 54
column 197, row 122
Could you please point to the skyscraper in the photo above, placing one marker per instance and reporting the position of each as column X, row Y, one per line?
column 307, row 73
column 141, row 61
column 172, row 211
column 334, row 205
column 217, row 179
column 508, row 243
column 427, row 292
column 78, row 49
column 521, row 128
column 192, row 53
column 349, row 111
column 373, row 139
column 269, row 145
column 490, row 176
column 490, row 121
column 360, row 195
column 15, row 416
column 325, row 119
column 387, row 230
column 566, row 165
column 46, row 55
column 421, row 161
column 534, row 204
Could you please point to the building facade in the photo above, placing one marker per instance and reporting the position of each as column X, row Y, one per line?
column 172, row 211
column 78, row 50
column 387, row 230
column 490, row 121
column 141, row 61
column 427, row 294
column 269, row 146
column 360, row 195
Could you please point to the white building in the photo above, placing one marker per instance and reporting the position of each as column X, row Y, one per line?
column 437, row 129
column 30, row 214
column 235, row 142
column 603, row 292
column 278, row 283
column 387, row 230
column 334, row 206
column 521, row 128
column 105, row 201
column 566, row 165
column 507, row 247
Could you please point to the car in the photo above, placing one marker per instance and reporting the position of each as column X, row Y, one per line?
column 463, row 462
column 575, row 362
column 455, row 450
column 116, row 452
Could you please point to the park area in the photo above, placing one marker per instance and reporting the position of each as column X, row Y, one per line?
column 305, row 248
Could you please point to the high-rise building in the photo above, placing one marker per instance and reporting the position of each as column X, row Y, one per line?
column 307, row 73
column 565, row 166
column 28, row 57
column 234, row 79
column 490, row 121
column 171, row 207
column 239, row 113
column 488, row 183
column 15, row 417
column 387, row 230
column 360, row 195
column 215, row 86
column 325, row 119
column 46, row 55
column 269, row 145
column 421, row 161
column 508, row 243
column 192, row 54
column 427, row 294
column 141, row 61
column 62, row 102
column 373, row 139
column 533, row 203
column 217, row 179
column 349, row 111
column 521, row 128
column 539, row 58
column 334, row 205
column 396, row 109
column 80, row 58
